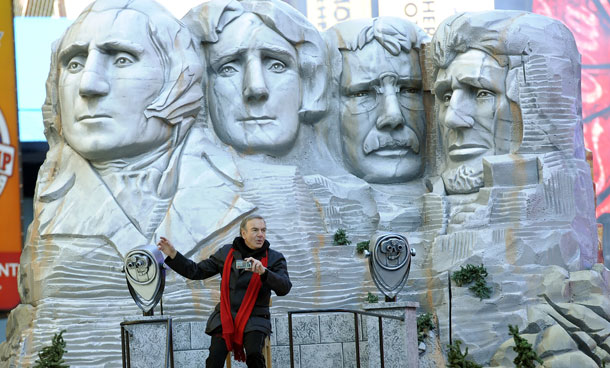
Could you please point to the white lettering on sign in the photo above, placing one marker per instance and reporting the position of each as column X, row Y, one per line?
column 8, row 269
column 7, row 157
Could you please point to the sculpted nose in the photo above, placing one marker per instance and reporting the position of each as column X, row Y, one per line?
column 255, row 88
column 93, row 80
column 391, row 116
column 458, row 112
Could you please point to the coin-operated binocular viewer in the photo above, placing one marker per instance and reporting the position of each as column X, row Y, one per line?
column 390, row 263
column 145, row 274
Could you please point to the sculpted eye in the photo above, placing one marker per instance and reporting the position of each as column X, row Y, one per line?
column 483, row 93
column 359, row 94
column 227, row 70
column 277, row 66
column 405, row 90
column 123, row 61
column 447, row 97
column 76, row 64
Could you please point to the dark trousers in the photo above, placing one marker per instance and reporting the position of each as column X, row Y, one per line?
column 253, row 343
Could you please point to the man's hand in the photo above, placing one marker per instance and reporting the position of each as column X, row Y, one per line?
column 257, row 266
column 167, row 248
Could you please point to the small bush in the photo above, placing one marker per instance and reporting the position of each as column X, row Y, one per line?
column 470, row 274
column 362, row 246
column 340, row 238
column 455, row 358
column 372, row 298
column 424, row 325
column 52, row 356
column 526, row 356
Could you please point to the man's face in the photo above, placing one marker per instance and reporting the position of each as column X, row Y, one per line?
column 254, row 90
column 382, row 114
column 254, row 235
column 108, row 74
column 473, row 109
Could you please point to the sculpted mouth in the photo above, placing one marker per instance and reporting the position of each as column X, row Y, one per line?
column 86, row 118
column 465, row 151
column 258, row 120
column 384, row 145
column 389, row 152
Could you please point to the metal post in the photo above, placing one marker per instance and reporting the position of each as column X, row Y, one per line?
column 381, row 355
column 290, row 340
column 357, row 340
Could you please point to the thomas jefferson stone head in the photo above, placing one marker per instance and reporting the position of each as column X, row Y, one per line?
column 266, row 70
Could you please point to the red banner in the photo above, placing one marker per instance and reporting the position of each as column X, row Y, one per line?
column 10, row 188
column 9, row 267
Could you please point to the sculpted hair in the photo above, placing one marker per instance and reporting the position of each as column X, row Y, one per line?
column 181, row 95
column 393, row 34
column 208, row 20
column 510, row 37
column 527, row 44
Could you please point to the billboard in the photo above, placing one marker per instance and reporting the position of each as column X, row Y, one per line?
column 10, row 185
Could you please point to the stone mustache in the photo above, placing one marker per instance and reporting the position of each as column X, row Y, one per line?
column 470, row 144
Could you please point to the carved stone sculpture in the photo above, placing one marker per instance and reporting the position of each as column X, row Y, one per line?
column 315, row 134
column 267, row 72
column 510, row 153
column 381, row 99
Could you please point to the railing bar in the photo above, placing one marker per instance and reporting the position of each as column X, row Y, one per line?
column 290, row 340
column 357, row 340
column 381, row 354
column 400, row 318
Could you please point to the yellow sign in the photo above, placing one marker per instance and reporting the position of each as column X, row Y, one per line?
column 10, row 190
column 326, row 13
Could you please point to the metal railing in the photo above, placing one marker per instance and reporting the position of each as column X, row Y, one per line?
column 356, row 324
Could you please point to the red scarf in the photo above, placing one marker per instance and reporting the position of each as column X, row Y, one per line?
column 233, row 332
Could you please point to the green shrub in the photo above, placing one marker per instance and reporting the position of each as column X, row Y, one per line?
column 473, row 274
column 362, row 246
column 340, row 238
column 424, row 325
column 372, row 298
column 52, row 356
column 455, row 358
column 526, row 356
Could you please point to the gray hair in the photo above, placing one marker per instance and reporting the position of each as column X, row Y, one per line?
column 244, row 222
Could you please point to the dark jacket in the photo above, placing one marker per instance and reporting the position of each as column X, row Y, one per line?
column 276, row 278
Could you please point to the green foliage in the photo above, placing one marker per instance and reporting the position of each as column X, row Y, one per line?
column 424, row 325
column 362, row 246
column 372, row 298
column 526, row 356
column 52, row 356
column 473, row 274
column 455, row 358
column 340, row 238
